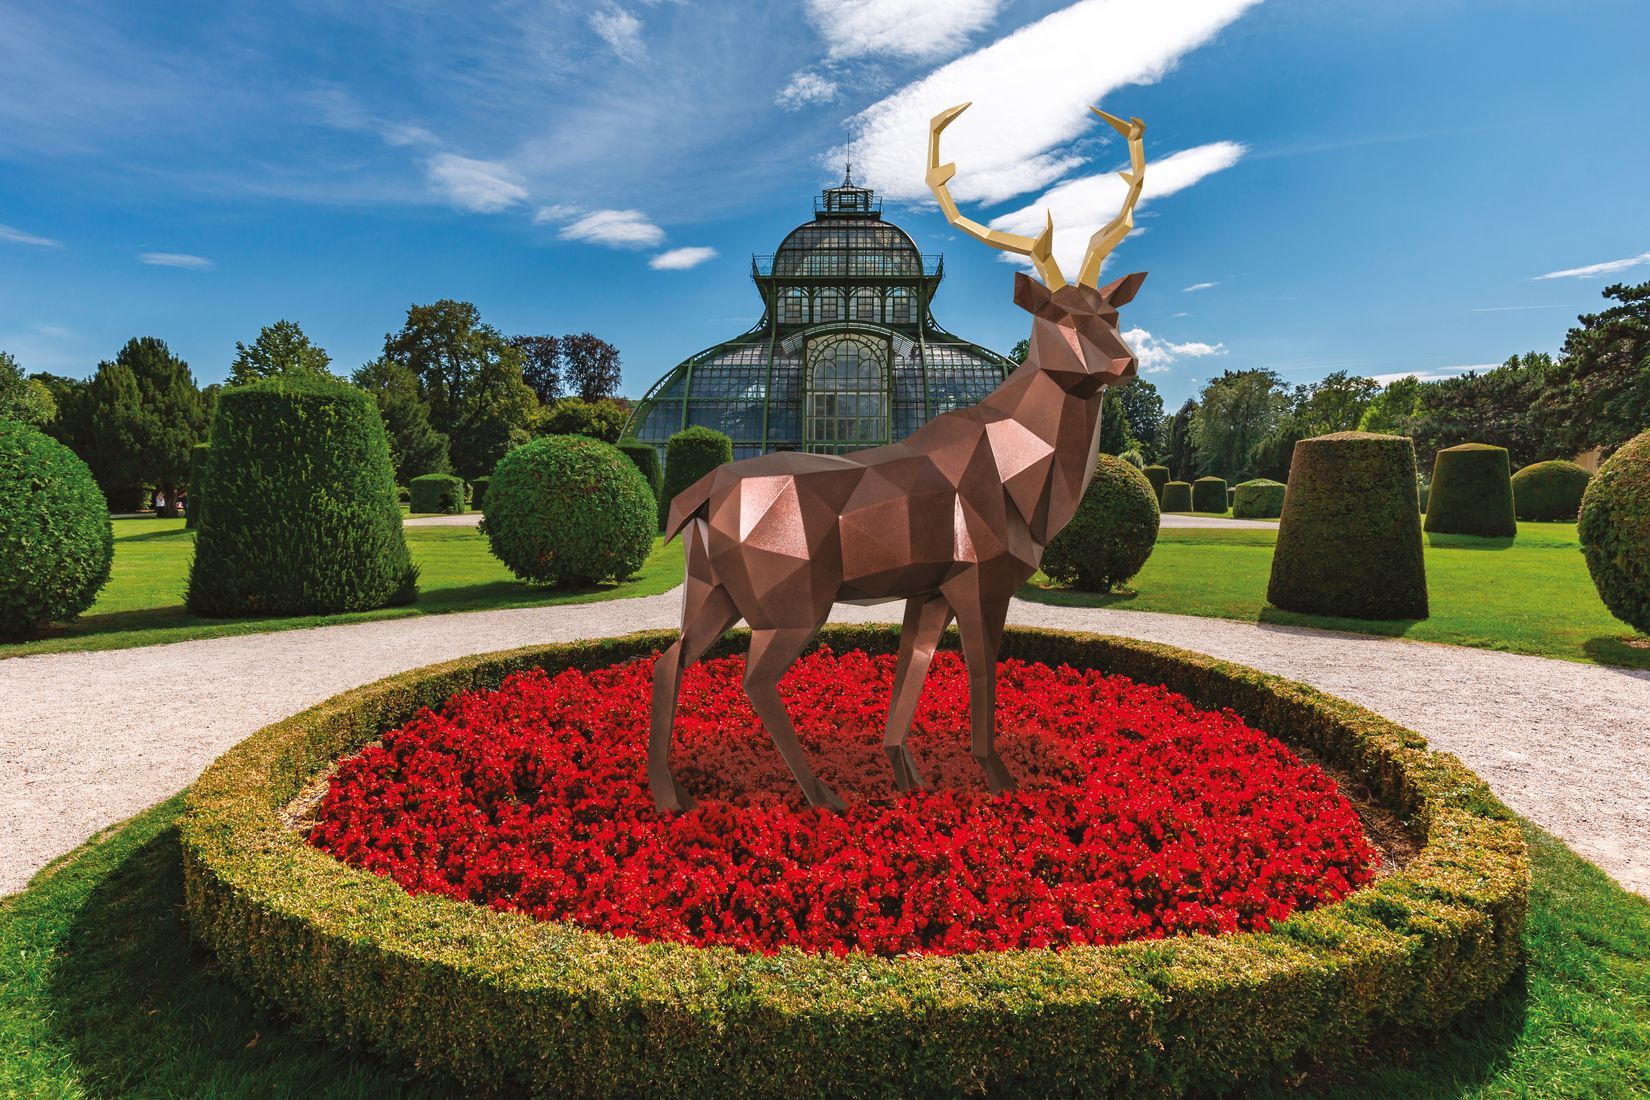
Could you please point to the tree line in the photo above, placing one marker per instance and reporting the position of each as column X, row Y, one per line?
column 454, row 391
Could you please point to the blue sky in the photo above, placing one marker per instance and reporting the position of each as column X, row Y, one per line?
column 1377, row 188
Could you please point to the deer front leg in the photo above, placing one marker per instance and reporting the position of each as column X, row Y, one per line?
column 707, row 613
column 980, row 618
column 772, row 652
column 926, row 618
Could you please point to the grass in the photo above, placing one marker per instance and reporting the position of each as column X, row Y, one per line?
column 1530, row 595
column 143, row 602
column 103, row 994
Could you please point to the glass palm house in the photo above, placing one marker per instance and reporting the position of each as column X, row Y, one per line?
column 847, row 353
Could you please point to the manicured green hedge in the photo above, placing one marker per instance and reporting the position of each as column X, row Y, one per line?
column 56, row 541
column 1177, row 496
column 197, row 484
column 499, row 1002
column 1209, row 494
column 1472, row 492
column 1260, row 498
column 646, row 458
column 442, row 493
column 1615, row 532
column 1349, row 540
column 1549, row 490
column 1159, row 477
column 300, row 515
column 569, row 509
column 690, row 454
column 1112, row 533
column 478, row 493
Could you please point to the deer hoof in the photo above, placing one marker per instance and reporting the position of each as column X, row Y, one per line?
column 906, row 776
column 997, row 777
column 671, row 797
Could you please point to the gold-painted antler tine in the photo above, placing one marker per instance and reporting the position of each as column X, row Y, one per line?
column 1038, row 249
column 1109, row 235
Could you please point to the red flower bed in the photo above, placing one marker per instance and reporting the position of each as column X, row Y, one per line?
column 1138, row 815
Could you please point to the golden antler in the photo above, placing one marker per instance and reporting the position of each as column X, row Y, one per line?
column 1039, row 249
column 1108, row 236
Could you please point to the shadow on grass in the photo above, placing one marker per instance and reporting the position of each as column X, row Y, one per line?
column 1634, row 660
column 1439, row 541
column 1381, row 628
column 179, row 535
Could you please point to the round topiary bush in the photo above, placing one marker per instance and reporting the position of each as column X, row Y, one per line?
column 569, row 509
column 1258, row 498
column 1159, row 477
column 646, row 458
column 1209, row 494
column 439, row 493
column 1472, row 492
column 1615, row 532
column 1177, row 496
column 1549, row 490
column 56, row 541
column 300, row 517
column 690, row 454
column 1112, row 533
column 1349, row 541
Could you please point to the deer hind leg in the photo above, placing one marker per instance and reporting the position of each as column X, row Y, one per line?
column 926, row 618
column 772, row 652
column 980, row 622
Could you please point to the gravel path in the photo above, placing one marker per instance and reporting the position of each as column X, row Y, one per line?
column 85, row 741
column 1180, row 519
column 468, row 519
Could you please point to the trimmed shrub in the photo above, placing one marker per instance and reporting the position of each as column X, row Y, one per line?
column 403, row 495
column 646, row 458
column 1209, row 494
column 1112, row 533
column 1549, row 490
column 197, row 484
column 1159, row 477
column 56, row 541
column 1615, row 532
column 1231, row 496
column 1471, row 492
column 478, row 493
column 1258, row 498
column 690, row 454
column 300, row 517
column 569, row 509
column 443, row 493
column 1177, row 496
column 490, row 999
column 1349, row 541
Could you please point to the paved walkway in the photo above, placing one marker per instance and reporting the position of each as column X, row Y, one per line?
column 84, row 742
column 1180, row 519
column 468, row 519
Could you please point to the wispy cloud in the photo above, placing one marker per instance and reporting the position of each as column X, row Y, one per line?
column 621, row 30
column 175, row 259
column 1013, row 139
column 680, row 259
column 1433, row 374
column 1605, row 268
column 614, row 228
column 483, row 186
column 1156, row 354
column 1197, row 286
column 17, row 236
column 804, row 89
column 336, row 107
column 921, row 29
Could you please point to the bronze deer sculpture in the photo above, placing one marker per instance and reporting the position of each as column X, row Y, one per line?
column 952, row 519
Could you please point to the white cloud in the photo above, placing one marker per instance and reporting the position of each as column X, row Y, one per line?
column 1081, row 206
column 1598, row 269
column 17, row 236
column 621, row 30
column 1436, row 374
column 1156, row 354
column 483, row 186
column 175, row 259
column 680, row 259
column 1030, row 90
column 924, row 29
column 615, row 228
column 556, row 213
column 805, row 88
column 1198, row 286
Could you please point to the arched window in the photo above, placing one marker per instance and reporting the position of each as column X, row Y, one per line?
column 865, row 306
column 900, row 307
column 793, row 307
column 847, row 393
column 828, row 305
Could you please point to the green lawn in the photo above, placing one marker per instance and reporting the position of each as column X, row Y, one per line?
column 1531, row 594
column 102, row 994
column 143, row 602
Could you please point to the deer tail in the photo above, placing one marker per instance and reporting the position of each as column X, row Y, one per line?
column 689, row 503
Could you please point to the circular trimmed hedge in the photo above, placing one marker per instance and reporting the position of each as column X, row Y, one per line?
column 56, row 540
column 1472, row 492
column 437, row 493
column 1209, row 494
column 1258, row 498
column 496, row 1000
column 300, row 515
column 1615, row 532
column 1349, row 538
column 1549, row 490
column 1111, row 534
column 1159, row 477
column 1177, row 496
column 569, row 509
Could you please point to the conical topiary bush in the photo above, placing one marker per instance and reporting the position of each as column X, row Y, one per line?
column 1259, row 498
column 1177, row 496
column 1549, row 490
column 1349, row 541
column 1159, row 477
column 1209, row 494
column 1472, row 492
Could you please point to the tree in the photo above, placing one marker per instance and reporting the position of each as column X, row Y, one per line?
column 1143, row 406
column 497, row 414
column 1178, row 453
column 604, row 420
column 1391, row 411
column 1334, row 404
column 541, row 365
column 415, row 447
column 24, row 400
column 146, row 415
column 1496, row 407
column 1115, row 437
column 1235, row 412
column 592, row 366
column 71, row 425
column 1598, row 393
column 281, row 348
column 1020, row 351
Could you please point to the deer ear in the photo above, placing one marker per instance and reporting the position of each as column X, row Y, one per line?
column 1029, row 294
column 1122, row 292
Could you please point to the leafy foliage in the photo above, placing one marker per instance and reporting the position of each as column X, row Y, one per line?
column 24, row 400
column 1598, row 393
column 197, row 483
column 567, row 509
column 1550, row 490
column 603, row 419
column 1235, row 412
column 147, row 413
column 1615, row 532
column 1259, row 498
column 646, row 458
column 540, row 365
column 1179, row 452
column 478, row 493
column 442, row 493
column 415, row 446
column 1158, row 476
column 300, row 516
column 1111, row 534
column 1472, row 492
column 1177, row 496
column 56, row 542
column 690, row 454
column 1114, row 424
column 281, row 348
column 1143, row 407
column 1209, row 494
column 591, row 366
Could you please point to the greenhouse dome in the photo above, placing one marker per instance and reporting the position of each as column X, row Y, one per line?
column 847, row 353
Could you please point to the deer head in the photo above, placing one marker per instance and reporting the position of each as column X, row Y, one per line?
column 1074, row 332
